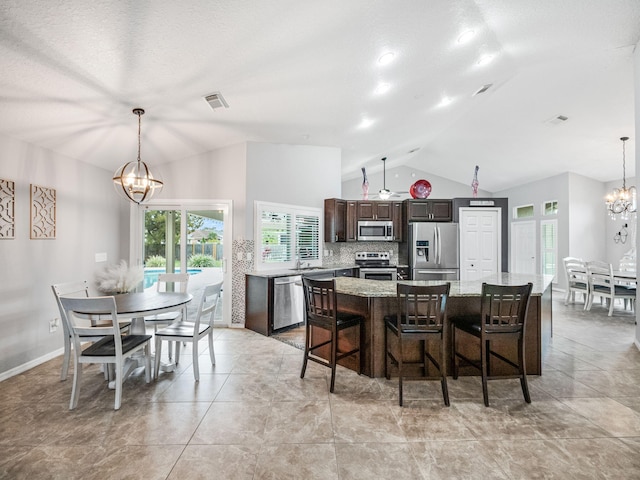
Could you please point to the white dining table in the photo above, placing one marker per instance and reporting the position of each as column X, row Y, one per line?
column 136, row 306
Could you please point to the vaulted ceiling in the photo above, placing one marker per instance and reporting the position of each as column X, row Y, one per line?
column 307, row 72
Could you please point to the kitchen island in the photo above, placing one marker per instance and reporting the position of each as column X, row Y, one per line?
column 376, row 298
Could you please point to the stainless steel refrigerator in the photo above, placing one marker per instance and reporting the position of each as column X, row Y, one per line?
column 433, row 251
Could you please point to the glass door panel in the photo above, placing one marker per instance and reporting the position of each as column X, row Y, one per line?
column 204, row 252
column 162, row 241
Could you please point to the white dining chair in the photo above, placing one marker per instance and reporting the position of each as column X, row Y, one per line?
column 602, row 283
column 78, row 289
column 186, row 331
column 112, row 348
column 169, row 282
column 577, row 279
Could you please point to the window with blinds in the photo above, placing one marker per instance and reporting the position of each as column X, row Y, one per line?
column 286, row 234
column 549, row 246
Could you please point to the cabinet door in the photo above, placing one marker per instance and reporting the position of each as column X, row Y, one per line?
column 352, row 221
column 441, row 210
column 398, row 224
column 383, row 210
column 335, row 220
column 366, row 211
column 418, row 211
column 429, row 210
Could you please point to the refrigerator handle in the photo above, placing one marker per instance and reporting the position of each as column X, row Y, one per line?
column 439, row 246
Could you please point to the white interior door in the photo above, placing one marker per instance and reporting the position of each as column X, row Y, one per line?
column 480, row 242
column 523, row 247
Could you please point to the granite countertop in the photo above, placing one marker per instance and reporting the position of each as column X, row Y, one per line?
column 293, row 271
column 382, row 288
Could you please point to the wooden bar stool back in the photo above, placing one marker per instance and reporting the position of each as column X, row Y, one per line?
column 421, row 317
column 503, row 317
column 321, row 312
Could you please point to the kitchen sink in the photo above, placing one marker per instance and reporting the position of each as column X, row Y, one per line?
column 306, row 269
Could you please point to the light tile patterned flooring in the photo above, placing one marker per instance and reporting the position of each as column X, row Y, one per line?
column 252, row 417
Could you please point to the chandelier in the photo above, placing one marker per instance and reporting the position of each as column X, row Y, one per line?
column 134, row 180
column 622, row 201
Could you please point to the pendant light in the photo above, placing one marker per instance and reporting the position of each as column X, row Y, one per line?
column 622, row 201
column 134, row 179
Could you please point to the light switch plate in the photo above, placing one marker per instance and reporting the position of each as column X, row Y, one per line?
column 101, row 257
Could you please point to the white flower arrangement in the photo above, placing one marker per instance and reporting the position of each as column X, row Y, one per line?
column 120, row 278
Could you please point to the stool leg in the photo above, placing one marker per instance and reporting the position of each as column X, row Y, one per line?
column 307, row 341
column 334, row 354
column 523, row 374
column 485, row 369
column 443, row 369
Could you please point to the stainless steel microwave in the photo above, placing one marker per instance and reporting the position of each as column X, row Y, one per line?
column 375, row 230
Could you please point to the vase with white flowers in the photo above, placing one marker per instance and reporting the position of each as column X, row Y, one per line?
column 119, row 278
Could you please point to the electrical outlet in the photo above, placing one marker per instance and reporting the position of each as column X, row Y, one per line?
column 249, row 256
column 53, row 325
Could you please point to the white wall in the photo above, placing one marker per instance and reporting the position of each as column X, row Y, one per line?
column 219, row 174
column 87, row 222
column 581, row 216
column 400, row 179
column 291, row 174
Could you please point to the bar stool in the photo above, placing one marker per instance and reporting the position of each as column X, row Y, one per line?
column 421, row 316
column 503, row 316
column 320, row 300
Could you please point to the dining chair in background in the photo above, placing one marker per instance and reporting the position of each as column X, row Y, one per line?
column 603, row 284
column 79, row 290
column 169, row 282
column 577, row 279
column 503, row 316
column 112, row 348
column 186, row 331
column 321, row 312
column 421, row 316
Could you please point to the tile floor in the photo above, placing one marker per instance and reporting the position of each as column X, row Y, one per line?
column 252, row 417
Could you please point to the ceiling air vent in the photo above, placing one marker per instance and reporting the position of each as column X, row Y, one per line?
column 216, row 100
column 482, row 89
column 558, row 119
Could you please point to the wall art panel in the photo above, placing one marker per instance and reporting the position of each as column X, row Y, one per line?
column 43, row 212
column 7, row 209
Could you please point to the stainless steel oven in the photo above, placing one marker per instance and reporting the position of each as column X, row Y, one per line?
column 379, row 273
column 376, row 266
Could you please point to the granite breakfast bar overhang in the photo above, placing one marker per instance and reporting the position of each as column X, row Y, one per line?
column 376, row 298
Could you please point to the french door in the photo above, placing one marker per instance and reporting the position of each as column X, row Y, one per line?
column 186, row 236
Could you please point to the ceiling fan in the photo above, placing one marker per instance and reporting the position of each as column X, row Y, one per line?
column 384, row 193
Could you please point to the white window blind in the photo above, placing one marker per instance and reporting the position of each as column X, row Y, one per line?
column 275, row 236
column 308, row 237
column 286, row 234
column 549, row 246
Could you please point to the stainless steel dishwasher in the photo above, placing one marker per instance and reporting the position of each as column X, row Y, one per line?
column 288, row 302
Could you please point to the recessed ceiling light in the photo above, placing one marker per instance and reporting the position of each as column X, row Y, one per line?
column 382, row 88
column 466, row 36
column 365, row 123
column 445, row 101
column 386, row 58
column 485, row 59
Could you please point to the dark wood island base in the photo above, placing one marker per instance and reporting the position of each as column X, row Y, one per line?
column 374, row 299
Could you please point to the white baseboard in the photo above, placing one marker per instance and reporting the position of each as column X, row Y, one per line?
column 29, row 365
